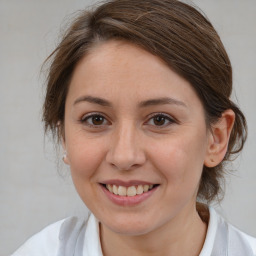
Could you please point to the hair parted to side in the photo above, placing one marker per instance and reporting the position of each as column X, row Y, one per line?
column 172, row 30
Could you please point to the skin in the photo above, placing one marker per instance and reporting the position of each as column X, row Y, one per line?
column 128, row 143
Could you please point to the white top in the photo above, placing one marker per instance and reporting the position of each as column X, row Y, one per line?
column 72, row 236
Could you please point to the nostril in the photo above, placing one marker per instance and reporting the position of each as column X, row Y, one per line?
column 125, row 152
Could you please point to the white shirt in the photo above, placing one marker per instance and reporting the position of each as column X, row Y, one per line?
column 73, row 236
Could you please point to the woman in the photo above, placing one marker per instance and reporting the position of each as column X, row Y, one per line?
column 139, row 96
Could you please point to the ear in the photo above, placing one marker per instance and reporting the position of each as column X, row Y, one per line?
column 219, row 138
column 63, row 143
column 65, row 157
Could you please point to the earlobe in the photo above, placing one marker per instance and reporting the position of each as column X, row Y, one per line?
column 219, row 138
column 65, row 158
column 65, row 154
column 63, row 143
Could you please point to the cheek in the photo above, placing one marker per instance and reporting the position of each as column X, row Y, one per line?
column 85, row 155
column 180, row 162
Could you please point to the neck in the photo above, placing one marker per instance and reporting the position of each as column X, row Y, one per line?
column 182, row 236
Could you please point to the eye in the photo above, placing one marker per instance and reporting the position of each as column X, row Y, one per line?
column 94, row 120
column 160, row 120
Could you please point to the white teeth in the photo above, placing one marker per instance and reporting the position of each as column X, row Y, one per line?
column 115, row 189
column 131, row 191
column 110, row 188
column 128, row 191
column 121, row 191
column 139, row 190
column 145, row 188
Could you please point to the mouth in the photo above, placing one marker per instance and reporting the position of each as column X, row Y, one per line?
column 129, row 191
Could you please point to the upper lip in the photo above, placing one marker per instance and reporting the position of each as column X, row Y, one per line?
column 126, row 183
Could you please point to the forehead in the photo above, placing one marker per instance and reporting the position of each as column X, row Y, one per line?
column 117, row 67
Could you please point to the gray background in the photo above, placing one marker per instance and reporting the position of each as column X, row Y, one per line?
column 33, row 191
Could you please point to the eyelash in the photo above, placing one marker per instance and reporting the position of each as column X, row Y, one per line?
column 162, row 115
column 85, row 119
column 166, row 117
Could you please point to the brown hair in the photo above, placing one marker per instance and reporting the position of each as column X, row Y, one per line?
column 177, row 33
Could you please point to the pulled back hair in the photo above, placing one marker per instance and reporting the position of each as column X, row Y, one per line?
column 172, row 30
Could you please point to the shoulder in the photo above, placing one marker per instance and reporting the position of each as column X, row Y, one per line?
column 226, row 235
column 48, row 240
column 237, row 236
column 45, row 242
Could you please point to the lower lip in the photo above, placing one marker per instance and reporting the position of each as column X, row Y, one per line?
column 128, row 200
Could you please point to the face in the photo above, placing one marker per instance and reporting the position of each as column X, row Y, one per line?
column 135, row 137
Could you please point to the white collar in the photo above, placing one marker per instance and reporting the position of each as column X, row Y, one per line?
column 222, row 239
column 92, row 246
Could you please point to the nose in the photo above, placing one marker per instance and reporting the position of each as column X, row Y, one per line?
column 125, row 149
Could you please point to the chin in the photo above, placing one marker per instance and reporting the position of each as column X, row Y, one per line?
column 130, row 227
column 131, row 230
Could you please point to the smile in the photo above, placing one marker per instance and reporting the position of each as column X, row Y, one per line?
column 128, row 191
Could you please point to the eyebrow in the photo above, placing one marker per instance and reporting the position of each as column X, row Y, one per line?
column 94, row 100
column 146, row 103
column 162, row 101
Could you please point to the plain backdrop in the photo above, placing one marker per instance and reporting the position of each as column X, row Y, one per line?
column 34, row 191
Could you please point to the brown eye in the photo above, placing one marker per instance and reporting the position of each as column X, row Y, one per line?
column 94, row 120
column 97, row 120
column 159, row 120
